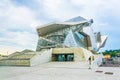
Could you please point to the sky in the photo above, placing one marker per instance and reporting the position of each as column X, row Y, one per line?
column 19, row 19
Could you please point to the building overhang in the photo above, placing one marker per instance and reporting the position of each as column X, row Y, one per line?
column 52, row 27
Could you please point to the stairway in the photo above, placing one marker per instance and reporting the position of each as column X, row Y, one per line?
column 27, row 59
column 17, row 60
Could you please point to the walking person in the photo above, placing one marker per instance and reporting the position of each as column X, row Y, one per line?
column 89, row 62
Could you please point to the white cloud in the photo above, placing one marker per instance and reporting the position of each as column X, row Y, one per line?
column 19, row 40
column 24, row 39
column 59, row 9
column 6, row 50
column 103, row 12
column 62, row 9
column 17, row 25
column 17, row 16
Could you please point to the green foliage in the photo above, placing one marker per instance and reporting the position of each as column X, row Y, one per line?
column 112, row 53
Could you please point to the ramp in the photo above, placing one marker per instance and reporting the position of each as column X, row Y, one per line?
column 27, row 59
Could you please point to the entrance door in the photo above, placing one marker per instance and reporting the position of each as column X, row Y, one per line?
column 63, row 57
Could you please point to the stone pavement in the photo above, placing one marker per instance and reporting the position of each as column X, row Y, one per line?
column 59, row 71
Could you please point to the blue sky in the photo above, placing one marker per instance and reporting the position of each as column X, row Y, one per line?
column 19, row 18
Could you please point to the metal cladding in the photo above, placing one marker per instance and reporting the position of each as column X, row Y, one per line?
column 75, row 32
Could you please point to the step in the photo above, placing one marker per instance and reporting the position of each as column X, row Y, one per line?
column 14, row 62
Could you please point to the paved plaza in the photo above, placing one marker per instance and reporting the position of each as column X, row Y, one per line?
column 59, row 71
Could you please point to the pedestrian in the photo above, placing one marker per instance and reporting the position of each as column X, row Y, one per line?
column 89, row 62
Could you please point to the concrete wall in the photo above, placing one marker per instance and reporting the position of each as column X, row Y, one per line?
column 41, row 57
column 78, row 54
column 87, row 53
column 22, row 56
column 15, row 63
column 62, row 50
column 17, row 60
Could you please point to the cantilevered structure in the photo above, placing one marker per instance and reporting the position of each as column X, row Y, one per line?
column 73, row 33
column 71, row 40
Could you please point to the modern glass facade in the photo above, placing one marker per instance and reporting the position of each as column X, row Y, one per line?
column 75, row 32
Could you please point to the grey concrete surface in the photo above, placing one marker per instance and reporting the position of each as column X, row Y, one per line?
column 58, row 71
